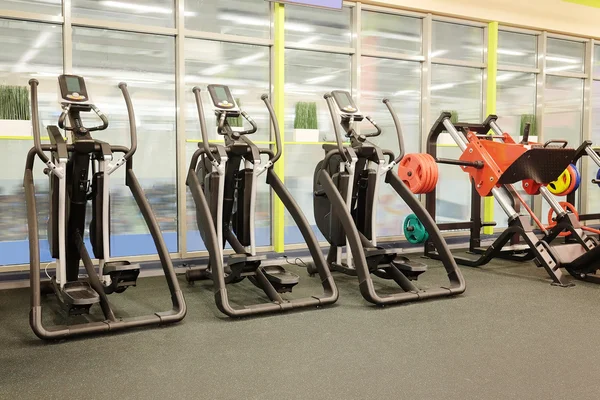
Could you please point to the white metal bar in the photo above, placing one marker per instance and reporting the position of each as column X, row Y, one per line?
column 514, row 29
column 320, row 48
column 586, row 134
column 579, row 75
column 180, row 136
column 67, row 38
column 459, row 21
column 393, row 11
column 28, row 16
column 121, row 26
column 566, row 37
column 511, row 68
column 539, row 103
column 357, row 56
column 393, row 56
column 460, row 63
column 222, row 37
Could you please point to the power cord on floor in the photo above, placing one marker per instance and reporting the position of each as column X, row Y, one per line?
column 297, row 262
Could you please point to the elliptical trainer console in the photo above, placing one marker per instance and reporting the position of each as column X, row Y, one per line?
column 223, row 180
column 68, row 168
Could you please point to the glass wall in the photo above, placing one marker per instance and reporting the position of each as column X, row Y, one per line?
column 542, row 79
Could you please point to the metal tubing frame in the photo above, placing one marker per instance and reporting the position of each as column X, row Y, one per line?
column 330, row 291
column 176, row 314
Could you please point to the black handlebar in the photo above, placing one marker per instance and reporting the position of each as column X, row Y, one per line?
column 35, row 121
column 372, row 134
column 200, row 108
column 251, row 121
column 398, row 130
column 132, row 126
column 265, row 98
column 338, row 136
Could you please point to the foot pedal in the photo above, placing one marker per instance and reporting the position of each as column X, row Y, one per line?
column 122, row 274
column 411, row 269
column 283, row 281
column 78, row 297
column 375, row 256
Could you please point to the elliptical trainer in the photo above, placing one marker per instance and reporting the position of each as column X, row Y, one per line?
column 345, row 196
column 68, row 168
column 223, row 181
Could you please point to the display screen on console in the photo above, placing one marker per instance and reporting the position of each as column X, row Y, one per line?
column 221, row 96
column 73, row 84
column 344, row 101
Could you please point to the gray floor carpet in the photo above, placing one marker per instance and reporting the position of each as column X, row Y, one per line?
column 511, row 336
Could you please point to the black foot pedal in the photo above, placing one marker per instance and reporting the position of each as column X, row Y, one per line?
column 411, row 269
column 78, row 297
column 122, row 274
column 283, row 281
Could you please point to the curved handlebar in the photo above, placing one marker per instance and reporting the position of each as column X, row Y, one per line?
column 398, row 130
column 35, row 121
column 372, row 134
column 338, row 137
column 265, row 98
column 251, row 121
column 100, row 115
column 200, row 108
column 132, row 126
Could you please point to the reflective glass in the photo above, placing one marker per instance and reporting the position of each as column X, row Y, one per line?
column 308, row 76
column 307, row 26
column 458, row 90
column 392, row 33
column 400, row 82
column 564, row 56
column 245, row 69
column 593, row 191
column 515, row 106
column 30, row 50
column 517, row 49
column 597, row 61
column 52, row 7
column 143, row 12
column 233, row 17
column 147, row 63
column 457, row 42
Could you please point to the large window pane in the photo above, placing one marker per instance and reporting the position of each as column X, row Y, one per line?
column 393, row 33
column 399, row 81
column 563, row 115
column 517, row 49
column 52, row 7
column 564, row 55
column 458, row 42
column 592, row 196
column 234, row 17
column 597, row 61
column 308, row 26
column 30, row 50
column 458, row 90
column 147, row 64
column 516, row 94
column 308, row 76
column 245, row 68
column 146, row 12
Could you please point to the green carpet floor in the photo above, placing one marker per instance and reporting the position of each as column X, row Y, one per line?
column 511, row 336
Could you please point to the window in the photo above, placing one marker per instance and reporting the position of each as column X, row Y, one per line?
column 400, row 82
column 457, row 42
column 458, row 90
column 52, row 7
column 147, row 12
column 308, row 26
column 391, row 33
column 517, row 49
column 147, row 64
column 564, row 56
column 596, row 61
column 309, row 75
column 233, row 17
column 30, row 50
column 245, row 68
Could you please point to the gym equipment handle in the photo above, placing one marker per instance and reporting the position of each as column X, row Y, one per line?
column 200, row 108
column 338, row 136
column 132, row 126
column 251, row 121
column 35, row 120
column 398, row 130
column 372, row 134
column 265, row 98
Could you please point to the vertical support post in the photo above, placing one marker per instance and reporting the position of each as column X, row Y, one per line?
column 356, row 70
column 587, row 125
column 278, row 57
column 492, row 71
column 180, row 134
column 426, row 88
column 67, row 37
column 539, row 104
